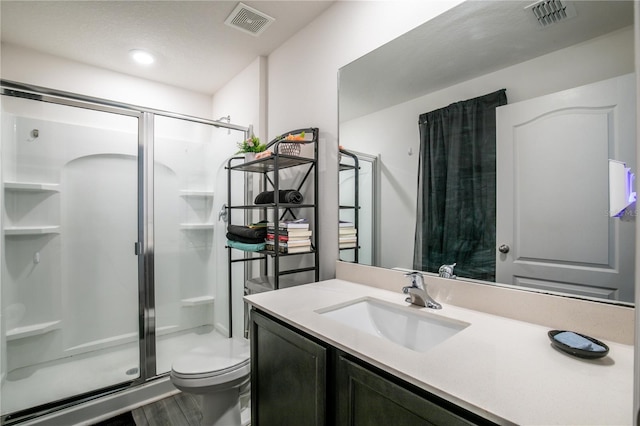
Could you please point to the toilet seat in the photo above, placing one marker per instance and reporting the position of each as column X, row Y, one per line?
column 220, row 363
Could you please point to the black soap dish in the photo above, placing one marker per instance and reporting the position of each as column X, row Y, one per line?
column 578, row 344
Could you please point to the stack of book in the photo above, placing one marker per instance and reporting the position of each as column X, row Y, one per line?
column 293, row 236
column 347, row 235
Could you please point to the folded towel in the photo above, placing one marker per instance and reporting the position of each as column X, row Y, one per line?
column 290, row 196
column 245, row 246
column 241, row 239
column 247, row 233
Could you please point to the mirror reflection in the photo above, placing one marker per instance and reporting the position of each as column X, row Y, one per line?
column 358, row 181
column 570, row 110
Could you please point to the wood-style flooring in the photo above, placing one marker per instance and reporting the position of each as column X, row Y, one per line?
column 178, row 410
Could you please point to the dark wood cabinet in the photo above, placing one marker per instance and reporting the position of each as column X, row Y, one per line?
column 288, row 376
column 298, row 380
column 364, row 398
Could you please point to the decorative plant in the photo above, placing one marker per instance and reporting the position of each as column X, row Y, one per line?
column 251, row 145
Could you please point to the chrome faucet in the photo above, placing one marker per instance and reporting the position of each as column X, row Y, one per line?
column 446, row 271
column 417, row 292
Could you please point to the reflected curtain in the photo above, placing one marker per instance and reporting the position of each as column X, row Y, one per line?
column 456, row 209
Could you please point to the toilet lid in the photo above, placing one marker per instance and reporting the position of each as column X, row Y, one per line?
column 218, row 357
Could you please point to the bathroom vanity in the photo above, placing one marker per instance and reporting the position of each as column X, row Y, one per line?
column 299, row 379
column 310, row 366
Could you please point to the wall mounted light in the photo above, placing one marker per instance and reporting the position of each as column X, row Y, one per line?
column 142, row 57
column 621, row 193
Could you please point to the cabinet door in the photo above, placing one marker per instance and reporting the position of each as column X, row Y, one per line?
column 366, row 399
column 288, row 376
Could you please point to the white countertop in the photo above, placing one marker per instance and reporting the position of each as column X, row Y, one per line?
column 502, row 369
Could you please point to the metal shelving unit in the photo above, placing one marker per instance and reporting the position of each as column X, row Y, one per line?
column 355, row 167
column 269, row 168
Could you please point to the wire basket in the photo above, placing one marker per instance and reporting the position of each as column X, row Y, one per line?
column 289, row 148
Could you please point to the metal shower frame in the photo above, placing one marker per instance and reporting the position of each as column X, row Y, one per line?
column 144, row 246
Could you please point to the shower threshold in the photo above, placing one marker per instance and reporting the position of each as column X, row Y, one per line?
column 30, row 387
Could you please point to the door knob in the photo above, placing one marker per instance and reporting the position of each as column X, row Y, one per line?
column 503, row 248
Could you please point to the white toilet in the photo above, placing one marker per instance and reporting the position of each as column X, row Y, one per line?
column 217, row 372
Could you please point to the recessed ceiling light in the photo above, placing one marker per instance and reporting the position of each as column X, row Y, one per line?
column 142, row 57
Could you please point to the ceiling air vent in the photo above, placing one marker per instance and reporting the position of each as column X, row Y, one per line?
column 249, row 20
column 548, row 12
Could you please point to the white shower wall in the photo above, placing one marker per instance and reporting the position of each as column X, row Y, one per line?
column 60, row 286
column 75, row 290
column 187, row 157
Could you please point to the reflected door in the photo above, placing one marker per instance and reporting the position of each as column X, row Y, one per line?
column 553, row 226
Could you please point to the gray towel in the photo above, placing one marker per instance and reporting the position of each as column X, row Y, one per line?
column 289, row 196
column 246, row 234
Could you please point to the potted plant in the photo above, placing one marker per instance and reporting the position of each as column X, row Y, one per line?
column 250, row 147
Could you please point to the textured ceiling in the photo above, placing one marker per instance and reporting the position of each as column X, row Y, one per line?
column 194, row 48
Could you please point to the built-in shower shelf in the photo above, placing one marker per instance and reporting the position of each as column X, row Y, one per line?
column 197, row 301
column 196, row 226
column 31, row 186
column 31, row 230
column 32, row 330
column 187, row 193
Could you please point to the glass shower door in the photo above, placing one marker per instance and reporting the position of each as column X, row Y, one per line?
column 69, row 272
column 191, row 290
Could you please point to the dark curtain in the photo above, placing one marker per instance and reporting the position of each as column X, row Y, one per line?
column 456, row 213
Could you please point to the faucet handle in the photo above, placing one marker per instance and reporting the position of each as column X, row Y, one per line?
column 446, row 271
column 416, row 278
column 413, row 273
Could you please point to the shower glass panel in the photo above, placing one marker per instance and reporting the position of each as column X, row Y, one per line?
column 69, row 273
column 191, row 294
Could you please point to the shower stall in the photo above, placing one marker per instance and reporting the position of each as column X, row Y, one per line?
column 112, row 249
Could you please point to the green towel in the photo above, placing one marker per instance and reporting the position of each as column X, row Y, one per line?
column 245, row 246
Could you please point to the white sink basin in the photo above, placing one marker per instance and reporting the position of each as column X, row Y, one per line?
column 404, row 326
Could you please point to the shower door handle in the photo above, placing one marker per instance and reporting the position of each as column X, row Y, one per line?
column 222, row 214
column 137, row 248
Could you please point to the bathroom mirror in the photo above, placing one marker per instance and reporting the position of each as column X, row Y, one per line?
column 473, row 49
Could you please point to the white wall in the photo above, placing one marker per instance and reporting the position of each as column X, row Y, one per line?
column 303, row 86
column 392, row 132
column 244, row 99
column 40, row 69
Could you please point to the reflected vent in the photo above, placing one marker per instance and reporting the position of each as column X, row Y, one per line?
column 548, row 12
column 249, row 20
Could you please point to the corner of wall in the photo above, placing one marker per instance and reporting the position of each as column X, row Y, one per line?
column 263, row 97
